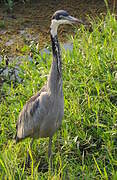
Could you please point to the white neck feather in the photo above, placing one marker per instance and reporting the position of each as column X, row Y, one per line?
column 54, row 27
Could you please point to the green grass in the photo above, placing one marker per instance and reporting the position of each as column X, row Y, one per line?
column 2, row 24
column 86, row 145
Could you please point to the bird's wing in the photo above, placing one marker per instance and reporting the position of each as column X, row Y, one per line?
column 33, row 98
column 29, row 117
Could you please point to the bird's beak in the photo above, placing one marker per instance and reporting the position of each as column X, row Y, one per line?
column 73, row 20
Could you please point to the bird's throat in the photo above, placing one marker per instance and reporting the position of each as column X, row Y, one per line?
column 55, row 76
column 54, row 27
column 56, row 54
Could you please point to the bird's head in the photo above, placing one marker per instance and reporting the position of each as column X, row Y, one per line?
column 62, row 17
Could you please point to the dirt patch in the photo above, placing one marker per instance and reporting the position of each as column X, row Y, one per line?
column 31, row 21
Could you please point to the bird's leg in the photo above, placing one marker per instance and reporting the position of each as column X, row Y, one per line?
column 28, row 155
column 58, row 142
column 50, row 147
column 50, row 151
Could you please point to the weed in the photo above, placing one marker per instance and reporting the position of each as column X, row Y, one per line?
column 2, row 24
column 86, row 147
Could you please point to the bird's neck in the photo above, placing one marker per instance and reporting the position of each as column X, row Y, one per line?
column 55, row 76
column 56, row 55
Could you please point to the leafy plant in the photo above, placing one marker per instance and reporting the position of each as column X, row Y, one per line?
column 86, row 145
column 9, row 4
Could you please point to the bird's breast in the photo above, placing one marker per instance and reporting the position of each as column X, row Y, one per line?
column 53, row 119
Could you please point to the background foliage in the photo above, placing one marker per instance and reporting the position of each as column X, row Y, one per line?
column 86, row 145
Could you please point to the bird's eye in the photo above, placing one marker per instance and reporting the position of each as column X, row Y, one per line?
column 60, row 16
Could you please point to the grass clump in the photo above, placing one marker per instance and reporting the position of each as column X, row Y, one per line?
column 86, row 147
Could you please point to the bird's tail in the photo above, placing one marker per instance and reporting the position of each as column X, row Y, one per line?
column 16, row 137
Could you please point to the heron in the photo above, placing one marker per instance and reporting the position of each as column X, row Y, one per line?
column 42, row 114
